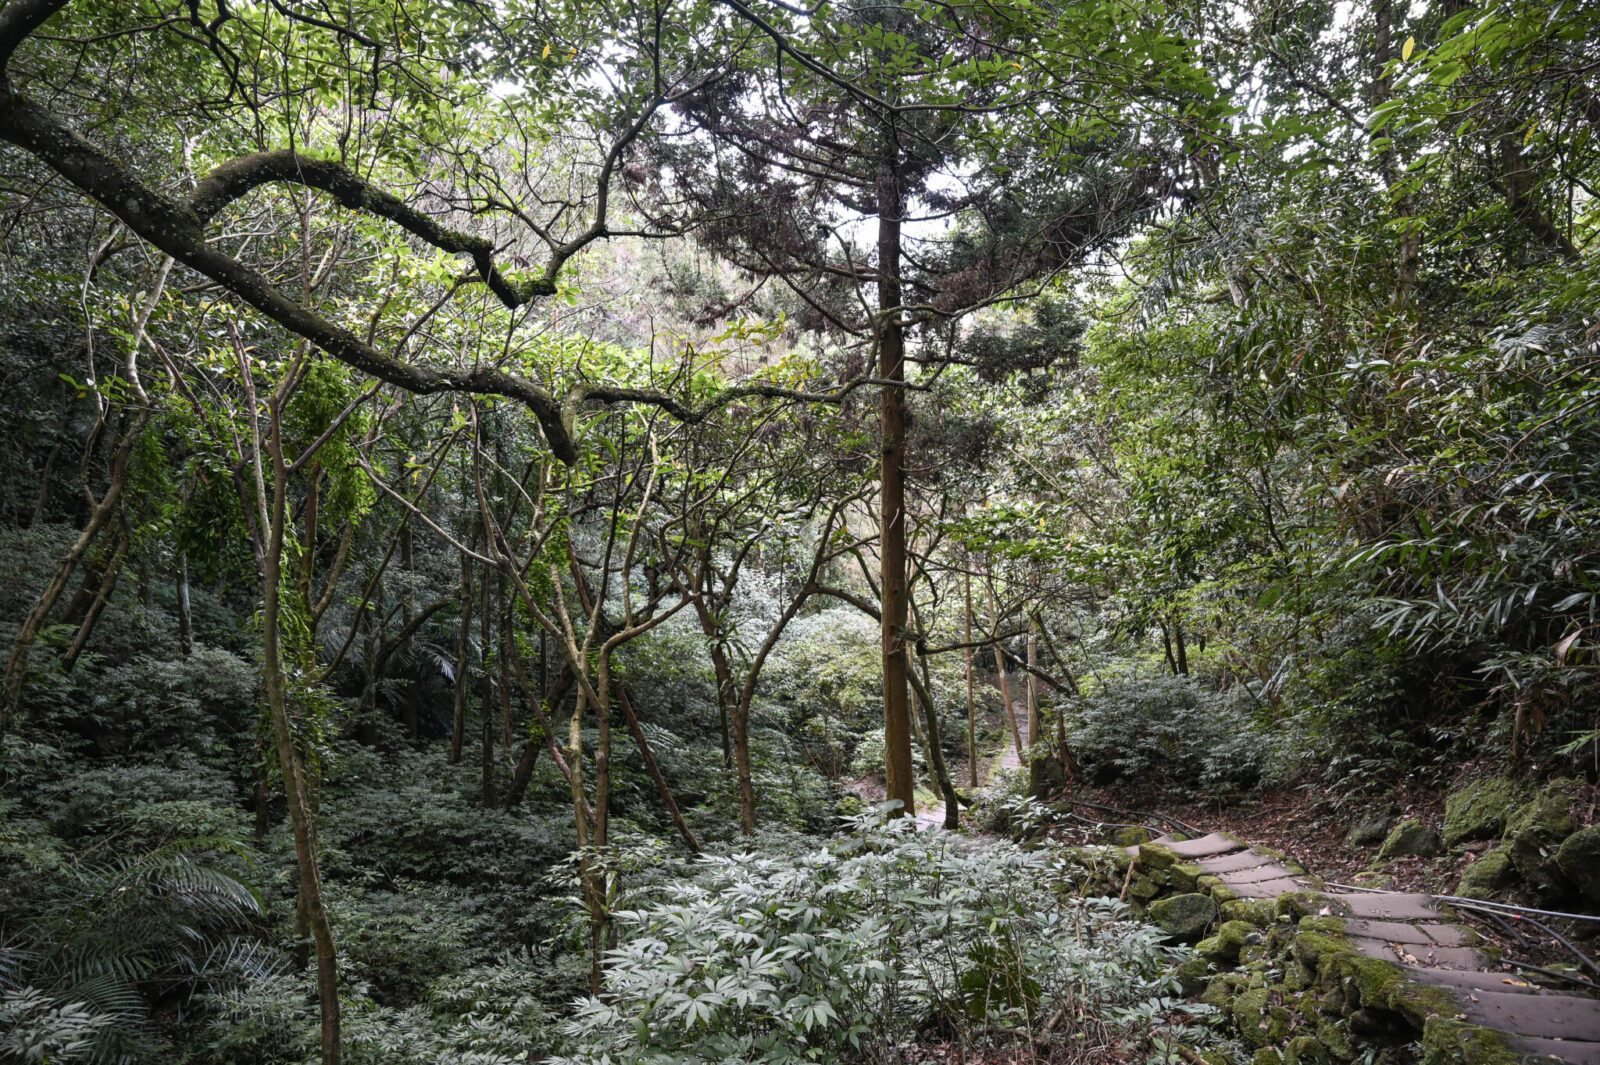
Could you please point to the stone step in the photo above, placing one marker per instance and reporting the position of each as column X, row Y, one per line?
column 1205, row 846
column 1236, row 862
column 1572, row 1052
column 1424, row 933
column 1545, row 1016
column 1390, row 905
column 1500, row 982
column 1269, row 889
column 1273, row 871
column 1417, row 955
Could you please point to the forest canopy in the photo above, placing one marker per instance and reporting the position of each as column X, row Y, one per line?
column 535, row 530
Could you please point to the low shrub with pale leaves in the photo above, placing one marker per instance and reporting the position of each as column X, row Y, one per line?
column 855, row 950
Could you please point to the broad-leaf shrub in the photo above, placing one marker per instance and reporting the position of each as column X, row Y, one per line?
column 1172, row 731
column 849, row 952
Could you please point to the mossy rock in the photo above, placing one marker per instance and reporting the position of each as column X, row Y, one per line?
column 1383, row 987
column 1218, row 991
column 1298, row 904
column 1448, row 1041
column 1229, row 939
column 1579, row 861
column 1479, row 810
column 1155, row 856
column 1216, row 888
column 1184, row 876
column 1143, row 887
column 1489, row 874
column 1194, row 974
column 1305, row 1050
column 1334, row 1037
column 1535, row 831
column 1328, row 926
column 1411, row 838
column 1130, row 836
column 1259, row 1022
column 1369, row 831
column 1184, row 917
column 1315, row 950
column 1267, row 1056
column 1259, row 912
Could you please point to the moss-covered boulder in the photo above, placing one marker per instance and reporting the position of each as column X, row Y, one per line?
column 1194, row 973
column 1447, row 1040
column 1184, row 917
column 1487, row 875
column 1578, row 858
column 1223, row 946
column 1335, row 1039
column 1157, row 857
column 1217, row 889
column 1222, row 987
column 1184, row 876
column 1262, row 913
column 1479, row 810
column 1369, row 831
column 1143, row 888
column 1260, row 1022
column 1535, row 830
column 1305, row 1050
column 1410, row 838
column 1130, row 836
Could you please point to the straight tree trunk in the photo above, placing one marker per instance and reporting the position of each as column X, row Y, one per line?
column 486, row 694
column 458, row 711
column 899, row 783
column 972, row 726
column 185, row 614
column 1035, row 765
column 1005, row 697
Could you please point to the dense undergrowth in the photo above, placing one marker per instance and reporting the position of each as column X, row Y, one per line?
column 470, row 569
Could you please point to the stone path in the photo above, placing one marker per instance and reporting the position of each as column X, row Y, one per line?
column 933, row 814
column 1416, row 933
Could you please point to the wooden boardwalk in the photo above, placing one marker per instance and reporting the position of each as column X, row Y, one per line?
column 1417, row 933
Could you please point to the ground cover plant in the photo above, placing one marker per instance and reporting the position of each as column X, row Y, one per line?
column 511, row 514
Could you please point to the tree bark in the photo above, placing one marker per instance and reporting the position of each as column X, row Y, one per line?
column 972, row 725
column 185, row 614
column 934, row 745
column 458, row 708
column 899, row 784
column 654, row 770
column 295, row 784
column 1035, row 765
column 486, row 694
column 102, row 596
